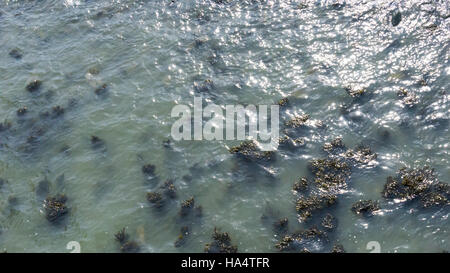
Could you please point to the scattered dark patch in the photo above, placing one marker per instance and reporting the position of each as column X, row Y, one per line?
column 184, row 234
column 97, row 143
column 57, row 111
column 148, row 169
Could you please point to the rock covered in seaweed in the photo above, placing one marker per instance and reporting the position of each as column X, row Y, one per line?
column 418, row 183
column 249, row 151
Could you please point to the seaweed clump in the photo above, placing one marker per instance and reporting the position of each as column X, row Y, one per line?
column 409, row 99
column 169, row 188
column 283, row 102
column 297, row 121
column 101, row 90
column 126, row 245
column 301, row 240
column 330, row 173
column 365, row 207
column 305, row 206
column 355, row 93
column 329, row 222
column 55, row 207
column 300, row 185
column 338, row 248
column 187, row 206
column 155, row 198
column 418, row 183
column 221, row 243
column 249, row 151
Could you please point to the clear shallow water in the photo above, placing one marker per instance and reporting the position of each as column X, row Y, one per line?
column 150, row 53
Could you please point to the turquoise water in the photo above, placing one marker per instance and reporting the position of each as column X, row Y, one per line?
column 151, row 54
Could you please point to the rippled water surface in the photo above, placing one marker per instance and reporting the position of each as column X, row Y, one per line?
column 153, row 54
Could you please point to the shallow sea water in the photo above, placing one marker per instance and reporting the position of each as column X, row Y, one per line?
column 152, row 53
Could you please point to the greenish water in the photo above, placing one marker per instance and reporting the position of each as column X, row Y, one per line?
column 151, row 54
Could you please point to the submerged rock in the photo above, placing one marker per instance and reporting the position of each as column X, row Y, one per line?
column 97, row 143
column 396, row 18
column 22, row 111
column 16, row 53
column 221, row 243
column 148, row 169
column 355, row 93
